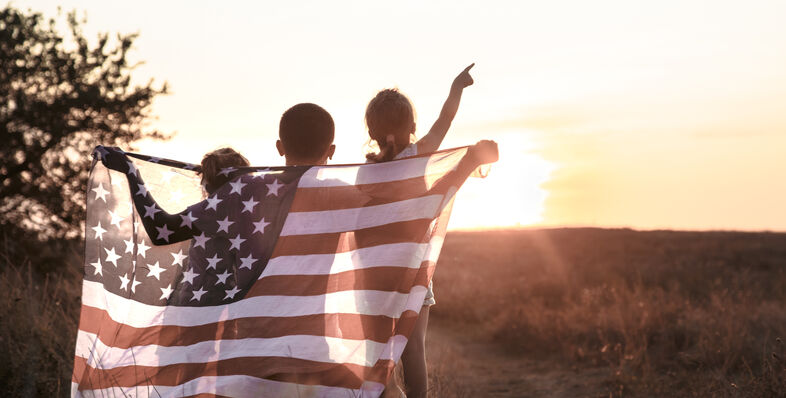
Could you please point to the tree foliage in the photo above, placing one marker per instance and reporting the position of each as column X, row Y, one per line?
column 60, row 95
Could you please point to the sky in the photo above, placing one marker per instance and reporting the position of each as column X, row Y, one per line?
column 648, row 115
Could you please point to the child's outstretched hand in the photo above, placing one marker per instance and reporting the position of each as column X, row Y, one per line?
column 484, row 152
column 463, row 79
column 112, row 157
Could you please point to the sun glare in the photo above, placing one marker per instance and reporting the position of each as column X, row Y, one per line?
column 511, row 195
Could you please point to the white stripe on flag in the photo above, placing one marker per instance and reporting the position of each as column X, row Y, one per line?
column 139, row 315
column 387, row 255
column 312, row 348
column 373, row 173
column 317, row 222
column 408, row 255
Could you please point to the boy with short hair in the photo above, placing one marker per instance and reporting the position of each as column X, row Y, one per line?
column 306, row 134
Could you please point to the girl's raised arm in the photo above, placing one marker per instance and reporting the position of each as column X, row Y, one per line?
column 431, row 141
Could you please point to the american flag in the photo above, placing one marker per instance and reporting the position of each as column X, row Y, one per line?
column 287, row 281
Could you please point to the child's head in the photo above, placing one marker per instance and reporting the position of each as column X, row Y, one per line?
column 390, row 119
column 306, row 135
column 215, row 161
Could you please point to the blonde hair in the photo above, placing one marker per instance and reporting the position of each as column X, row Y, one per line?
column 215, row 161
column 389, row 118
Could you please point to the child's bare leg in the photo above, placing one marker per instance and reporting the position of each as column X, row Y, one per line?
column 414, row 358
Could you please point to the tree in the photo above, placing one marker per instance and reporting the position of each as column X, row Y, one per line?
column 59, row 97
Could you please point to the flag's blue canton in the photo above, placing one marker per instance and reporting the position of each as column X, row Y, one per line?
column 228, row 239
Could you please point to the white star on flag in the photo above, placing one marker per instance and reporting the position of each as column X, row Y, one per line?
column 260, row 225
column 150, row 211
column 198, row 294
column 179, row 257
column 222, row 277
column 129, row 245
column 247, row 262
column 226, row 170
column 115, row 218
column 273, row 187
column 223, row 225
column 236, row 241
column 132, row 169
column 134, row 283
column 187, row 219
column 100, row 192
column 142, row 248
column 231, row 293
column 124, row 282
column 97, row 265
column 212, row 203
column 155, row 270
column 237, row 186
column 189, row 276
column 99, row 231
column 213, row 261
column 165, row 292
column 142, row 190
column 248, row 205
column 111, row 256
column 163, row 233
column 201, row 240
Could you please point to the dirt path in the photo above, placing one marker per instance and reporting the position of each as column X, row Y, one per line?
column 462, row 366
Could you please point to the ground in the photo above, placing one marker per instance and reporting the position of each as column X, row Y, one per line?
column 482, row 368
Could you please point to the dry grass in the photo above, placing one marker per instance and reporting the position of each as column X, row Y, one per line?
column 668, row 313
column 38, row 322
column 444, row 380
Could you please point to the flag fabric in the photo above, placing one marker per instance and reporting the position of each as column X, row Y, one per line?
column 286, row 281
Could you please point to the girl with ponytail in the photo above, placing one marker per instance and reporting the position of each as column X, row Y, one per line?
column 390, row 119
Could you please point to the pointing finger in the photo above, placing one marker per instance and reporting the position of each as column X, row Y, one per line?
column 469, row 67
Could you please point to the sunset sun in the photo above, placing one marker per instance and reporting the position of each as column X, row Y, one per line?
column 511, row 195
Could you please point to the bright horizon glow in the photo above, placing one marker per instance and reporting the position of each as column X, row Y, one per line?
column 506, row 198
column 611, row 113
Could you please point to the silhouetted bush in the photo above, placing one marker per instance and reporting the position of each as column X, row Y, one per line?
column 60, row 95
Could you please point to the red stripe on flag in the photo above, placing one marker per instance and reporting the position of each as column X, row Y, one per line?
column 376, row 278
column 352, row 196
column 348, row 326
column 414, row 231
column 274, row 368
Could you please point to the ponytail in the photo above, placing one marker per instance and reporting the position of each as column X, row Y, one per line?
column 387, row 151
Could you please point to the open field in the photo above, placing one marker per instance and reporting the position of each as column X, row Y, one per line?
column 599, row 313
column 563, row 312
